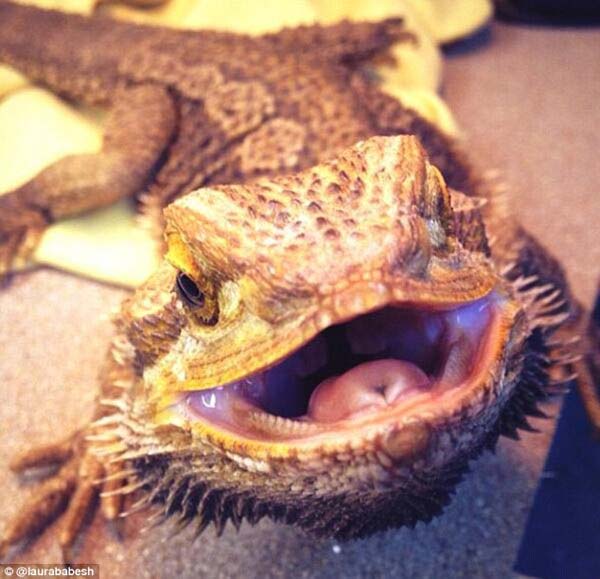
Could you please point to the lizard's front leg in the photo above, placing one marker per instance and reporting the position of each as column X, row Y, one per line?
column 73, row 490
column 139, row 128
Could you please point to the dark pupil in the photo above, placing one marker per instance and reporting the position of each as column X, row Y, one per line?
column 189, row 290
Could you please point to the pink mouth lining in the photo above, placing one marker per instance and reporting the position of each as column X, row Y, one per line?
column 354, row 369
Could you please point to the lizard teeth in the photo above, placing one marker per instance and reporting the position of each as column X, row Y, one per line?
column 278, row 424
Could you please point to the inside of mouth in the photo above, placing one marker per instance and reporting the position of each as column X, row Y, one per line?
column 356, row 369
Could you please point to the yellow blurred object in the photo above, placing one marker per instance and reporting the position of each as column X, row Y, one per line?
column 450, row 20
column 418, row 65
column 106, row 244
column 10, row 80
column 232, row 15
column 80, row 6
column 37, row 128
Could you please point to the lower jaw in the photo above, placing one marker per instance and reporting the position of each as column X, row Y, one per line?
column 235, row 410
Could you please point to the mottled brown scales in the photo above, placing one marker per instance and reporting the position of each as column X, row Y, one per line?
column 387, row 216
column 187, row 108
column 302, row 224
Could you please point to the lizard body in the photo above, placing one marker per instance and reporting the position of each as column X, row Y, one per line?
column 315, row 252
column 193, row 108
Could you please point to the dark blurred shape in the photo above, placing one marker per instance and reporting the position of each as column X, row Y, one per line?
column 565, row 12
column 596, row 311
column 562, row 537
column 472, row 43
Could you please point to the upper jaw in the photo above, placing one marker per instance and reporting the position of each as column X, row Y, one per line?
column 203, row 358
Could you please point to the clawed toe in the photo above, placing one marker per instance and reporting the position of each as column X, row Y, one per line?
column 70, row 495
column 46, row 455
column 45, row 505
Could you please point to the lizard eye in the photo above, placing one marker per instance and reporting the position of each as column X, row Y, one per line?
column 189, row 291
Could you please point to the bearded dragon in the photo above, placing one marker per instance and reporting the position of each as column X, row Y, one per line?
column 341, row 322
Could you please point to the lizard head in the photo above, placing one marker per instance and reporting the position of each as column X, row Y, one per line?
column 327, row 348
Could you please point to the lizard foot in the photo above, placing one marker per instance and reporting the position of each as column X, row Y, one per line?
column 69, row 495
column 21, row 228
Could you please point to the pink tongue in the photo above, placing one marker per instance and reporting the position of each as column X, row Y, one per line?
column 367, row 386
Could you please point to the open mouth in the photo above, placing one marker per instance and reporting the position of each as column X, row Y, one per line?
column 363, row 370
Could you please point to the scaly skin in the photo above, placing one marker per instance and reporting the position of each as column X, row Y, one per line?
column 190, row 108
column 276, row 261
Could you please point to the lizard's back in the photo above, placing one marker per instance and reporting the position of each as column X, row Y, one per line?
column 81, row 57
column 246, row 106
